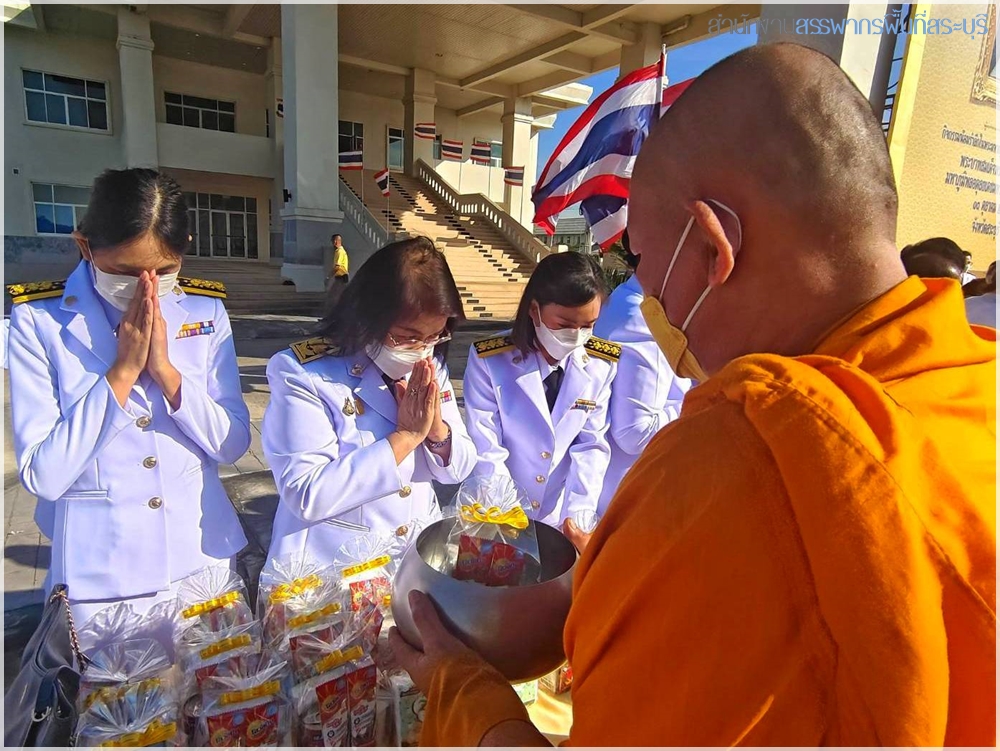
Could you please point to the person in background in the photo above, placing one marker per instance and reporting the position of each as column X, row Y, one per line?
column 646, row 394
column 807, row 556
column 125, row 398
column 339, row 263
column 982, row 309
column 363, row 418
column 536, row 399
column 936, row 258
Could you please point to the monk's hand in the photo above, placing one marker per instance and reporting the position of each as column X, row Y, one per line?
column 575, row 535
column 440, row 647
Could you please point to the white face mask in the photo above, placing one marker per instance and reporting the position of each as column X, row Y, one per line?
column 395, row 362
column 119, row 289
column 561, row 342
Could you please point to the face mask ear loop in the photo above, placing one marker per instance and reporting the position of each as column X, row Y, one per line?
column 695, row 308
column 677, row 252
column 739, row 224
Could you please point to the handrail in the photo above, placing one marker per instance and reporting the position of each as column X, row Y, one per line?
column 476, row 204
column 358, row 213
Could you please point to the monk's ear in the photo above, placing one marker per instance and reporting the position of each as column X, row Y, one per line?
column 723, row 240
column 83, row 245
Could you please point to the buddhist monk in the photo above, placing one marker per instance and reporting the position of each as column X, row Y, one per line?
column 807, row 555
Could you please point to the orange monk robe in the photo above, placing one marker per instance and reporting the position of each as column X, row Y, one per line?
column 807, row 556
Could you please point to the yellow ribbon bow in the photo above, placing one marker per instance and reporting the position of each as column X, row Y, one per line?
column 271, row 688
column 477, row 513
column 156, row 732
column 285, row 592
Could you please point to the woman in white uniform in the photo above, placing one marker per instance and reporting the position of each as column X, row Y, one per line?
column 125, row 398
column 536, row 399
column 363, row 418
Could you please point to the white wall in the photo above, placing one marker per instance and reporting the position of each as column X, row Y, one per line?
column 377, row 114
column 54, row 154
column 195, row 79
column 182, row 147
column 232, row 185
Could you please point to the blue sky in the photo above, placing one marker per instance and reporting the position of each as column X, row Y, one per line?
column 682, row 63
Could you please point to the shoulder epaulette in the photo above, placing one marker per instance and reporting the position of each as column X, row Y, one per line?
column 202, row 287
column 28, row 291
column 493, row 345
column 603, row 348
column 312, row 349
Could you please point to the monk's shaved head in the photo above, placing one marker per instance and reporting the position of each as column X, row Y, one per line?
column 779, row 134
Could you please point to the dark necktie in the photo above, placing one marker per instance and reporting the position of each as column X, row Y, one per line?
column 552, row 383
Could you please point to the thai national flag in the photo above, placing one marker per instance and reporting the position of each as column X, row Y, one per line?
column 352, row 160
column 382, row 180
column 481, row 153
column 427, row 131
column 513, row 175
column 593, row 163
column 452, row 150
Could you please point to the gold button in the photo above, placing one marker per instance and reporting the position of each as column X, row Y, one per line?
column 546, row 455
column 143, row 422
column 149, row 462
column 535, row 505
column 405, row 492
column 540, row 478
column 401, row 531
column 154, row 502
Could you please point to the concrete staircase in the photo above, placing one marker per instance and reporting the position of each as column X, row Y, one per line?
column 490, row 274
column 254, row 287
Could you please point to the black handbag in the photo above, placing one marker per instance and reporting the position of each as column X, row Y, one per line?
column 40, row 706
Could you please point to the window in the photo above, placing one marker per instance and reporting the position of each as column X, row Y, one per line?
column 198, row 112
column 223, row 226
column 437, row 148
column 352, row 136
column 58, row 208
column 394, row 149
column 496, row 151
column 61, row 100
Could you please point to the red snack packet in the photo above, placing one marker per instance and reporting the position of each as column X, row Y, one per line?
column 250, row 727
column 361, row 700
column 333, row 711
column 506, row 566
column 376, row 590
column 469, row 566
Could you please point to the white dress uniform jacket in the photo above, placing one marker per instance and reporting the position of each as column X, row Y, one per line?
column 646, row 394
column 558, row 458
column 325, row 437
column 130, row 497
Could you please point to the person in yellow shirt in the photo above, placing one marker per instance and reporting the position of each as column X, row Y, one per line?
column 340, row 272
column 807, row 556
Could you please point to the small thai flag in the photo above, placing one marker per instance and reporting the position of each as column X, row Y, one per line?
column 481, row 153
column 427, row 131
column 513, row 176
column 352, row 160
column 452, row 150
column 382, row 180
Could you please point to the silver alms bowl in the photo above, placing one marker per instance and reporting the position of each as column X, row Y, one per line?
column 518, row 630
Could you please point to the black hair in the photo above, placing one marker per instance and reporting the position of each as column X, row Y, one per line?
column 405, row 278
column 630, row 258
column 937, row 257
column 128, row 204
column 570, row 279
column 336, row 234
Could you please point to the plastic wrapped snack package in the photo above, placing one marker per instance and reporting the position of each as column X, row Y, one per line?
column 212, row 599
column 207, row 654
column 249, row 710
column 291, row 589
column 585, row 520
column 139, row 714
column 112, row 625
column 339, row 706
column 367, row 564
column 119, row 671
column 401, row 711
column 496, row 541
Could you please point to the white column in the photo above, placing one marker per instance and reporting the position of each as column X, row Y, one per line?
column 310, row 87
column 274, row 93
column 418, row 107
column 135, row 58
column 517, row 121
column 645, row 51
column 857, row 53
